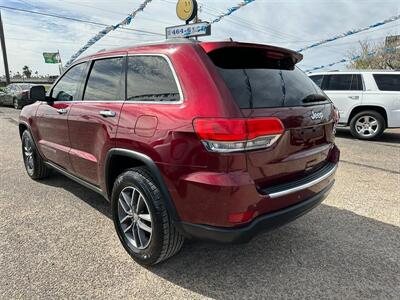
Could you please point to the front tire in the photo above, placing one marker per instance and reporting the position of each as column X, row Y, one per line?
column 34, row 163
column 141, row 219
column 367, row 125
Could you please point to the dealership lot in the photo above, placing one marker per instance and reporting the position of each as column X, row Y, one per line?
column 57, row 239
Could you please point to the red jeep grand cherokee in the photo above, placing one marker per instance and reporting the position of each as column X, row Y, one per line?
column 207, row 140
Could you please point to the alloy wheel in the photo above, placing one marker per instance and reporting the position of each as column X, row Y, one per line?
column 367, row 126
column 28, row 155
column 135, row 218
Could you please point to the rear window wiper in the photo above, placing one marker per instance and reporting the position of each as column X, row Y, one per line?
column 314, row 98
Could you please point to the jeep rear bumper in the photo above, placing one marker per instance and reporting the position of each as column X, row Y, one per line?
column 264, row 222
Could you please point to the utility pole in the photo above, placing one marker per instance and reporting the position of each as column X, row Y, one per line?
column 3, row 49
column 60, row 66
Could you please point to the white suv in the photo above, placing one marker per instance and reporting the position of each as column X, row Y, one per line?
column 368, row 101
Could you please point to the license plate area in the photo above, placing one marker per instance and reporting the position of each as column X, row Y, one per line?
column 309, row 134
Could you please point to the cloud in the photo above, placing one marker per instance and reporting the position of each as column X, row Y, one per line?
column 287, row 23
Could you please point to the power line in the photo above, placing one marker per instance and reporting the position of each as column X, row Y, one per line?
column 111, row 37
column 101, row 34
column 76, row 20
column 354, row 58
column 112, row 11
column 251, row 25
column 58, row 42
column 350, row 32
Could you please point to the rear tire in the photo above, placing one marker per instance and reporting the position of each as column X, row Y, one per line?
column 34, row 164
column 367, row 125
column 141, row 219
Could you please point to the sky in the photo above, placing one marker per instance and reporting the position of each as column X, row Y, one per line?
column 287, row 23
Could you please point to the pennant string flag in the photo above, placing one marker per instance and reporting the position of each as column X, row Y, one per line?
column 231, row 10
column 350, row 32
column 106, row 30
column 354, row 58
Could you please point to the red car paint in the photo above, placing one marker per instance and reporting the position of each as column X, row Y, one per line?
column 209, row 188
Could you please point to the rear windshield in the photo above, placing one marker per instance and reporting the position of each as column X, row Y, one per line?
column 258, row 81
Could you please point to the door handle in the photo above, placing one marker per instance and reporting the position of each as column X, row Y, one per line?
column 107, row 113
column 354, row 97
column 62, row 111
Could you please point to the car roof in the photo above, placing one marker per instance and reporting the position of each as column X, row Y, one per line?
column 355, row 72
column 207, row 46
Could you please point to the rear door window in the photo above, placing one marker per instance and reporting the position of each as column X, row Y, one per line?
column 150, row 78
column 356, row 83
column 342, row 82
column 106, row 80
column 388, row 82
column 337, row 82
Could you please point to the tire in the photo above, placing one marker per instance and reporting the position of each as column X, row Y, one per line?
column 33, row 162
column 367, row 125
column 145, row 247
column 16, row 104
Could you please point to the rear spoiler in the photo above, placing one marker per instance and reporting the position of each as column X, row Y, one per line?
column 271, row 51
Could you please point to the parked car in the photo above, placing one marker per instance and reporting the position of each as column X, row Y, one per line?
column 17, row 95
column 187, row 140
column 368, row 101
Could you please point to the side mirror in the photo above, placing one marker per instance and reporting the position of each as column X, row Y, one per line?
column 38, row 93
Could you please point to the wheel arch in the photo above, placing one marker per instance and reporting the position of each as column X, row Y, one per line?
column 379, row 109
column 112, row 168
column 22, row 127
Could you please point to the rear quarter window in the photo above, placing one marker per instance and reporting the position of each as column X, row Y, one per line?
column 150, row 78
column 387, row 82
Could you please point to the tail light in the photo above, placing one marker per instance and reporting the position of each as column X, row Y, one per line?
column 336, row 119
column 25, row 94
column 337, row 115
column 232, row 135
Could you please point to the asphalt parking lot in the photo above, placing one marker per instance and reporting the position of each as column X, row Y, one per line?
column 57, row 239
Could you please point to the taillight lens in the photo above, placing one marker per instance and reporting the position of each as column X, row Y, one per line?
column 231, row 135
column 337, row 115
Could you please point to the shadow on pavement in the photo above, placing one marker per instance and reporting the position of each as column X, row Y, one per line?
column 387, row 137
column 330, row 252
column 91, row 198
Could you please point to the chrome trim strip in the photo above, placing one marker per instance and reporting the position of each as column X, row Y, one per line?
column 174, row 74
column 303, row 186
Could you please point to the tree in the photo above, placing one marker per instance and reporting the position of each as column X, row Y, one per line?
column 375, row 56
column 27, row 72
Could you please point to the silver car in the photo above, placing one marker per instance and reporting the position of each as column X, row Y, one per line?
column 16, row 94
